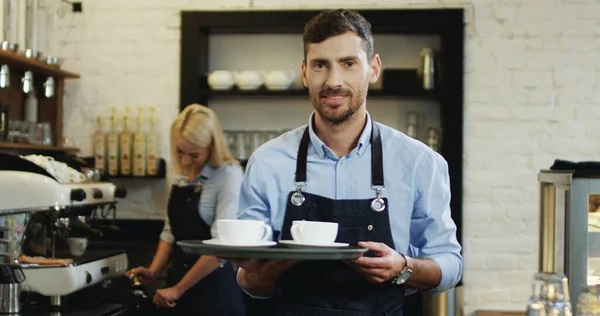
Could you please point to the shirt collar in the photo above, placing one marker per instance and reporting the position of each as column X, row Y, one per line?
column 322, row 150
column 206, row 173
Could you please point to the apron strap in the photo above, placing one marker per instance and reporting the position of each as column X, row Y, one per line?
column 376, row 157
column 301, row 160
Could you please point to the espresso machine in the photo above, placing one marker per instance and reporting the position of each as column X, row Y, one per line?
column 48, row 210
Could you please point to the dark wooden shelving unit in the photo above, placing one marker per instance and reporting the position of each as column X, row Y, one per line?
column 447, row 24
column 49, row 109
column 198, row 26
column 21, row 62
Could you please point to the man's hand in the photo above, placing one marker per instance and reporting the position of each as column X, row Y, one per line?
column 260, row 276
column 384, row 267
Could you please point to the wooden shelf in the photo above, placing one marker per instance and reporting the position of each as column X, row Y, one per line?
column 36, row 148
column 406, row 21
column 421, row 94
column 499, row 313
column 234, row 92
column 162, row 171
column 136, row 177
column 37, row 66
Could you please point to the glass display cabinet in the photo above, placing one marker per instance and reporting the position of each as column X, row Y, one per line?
column 570, row 225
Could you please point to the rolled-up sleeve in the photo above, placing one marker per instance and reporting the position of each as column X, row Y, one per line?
column 166, row 235
column 433, row 232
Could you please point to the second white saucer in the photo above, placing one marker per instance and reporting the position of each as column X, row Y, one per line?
column 217, row 242
column 294, row 243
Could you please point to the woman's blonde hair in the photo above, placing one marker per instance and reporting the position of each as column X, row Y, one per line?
column 200, row 126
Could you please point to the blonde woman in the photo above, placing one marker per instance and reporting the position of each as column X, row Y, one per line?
column 208, row 190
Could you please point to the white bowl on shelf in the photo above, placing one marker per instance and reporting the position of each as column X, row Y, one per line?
column 279, row 79
column 248, row 79
column 221, row 80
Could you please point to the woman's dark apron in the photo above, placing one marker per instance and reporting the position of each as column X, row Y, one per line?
column 216, row 294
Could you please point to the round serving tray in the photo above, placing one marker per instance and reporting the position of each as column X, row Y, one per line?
column 279, row 251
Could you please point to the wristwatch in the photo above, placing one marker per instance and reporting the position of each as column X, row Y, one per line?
column 403, row 276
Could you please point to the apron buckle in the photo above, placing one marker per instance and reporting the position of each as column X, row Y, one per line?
column 198, row 187
column 378, row 204
column 298, row 198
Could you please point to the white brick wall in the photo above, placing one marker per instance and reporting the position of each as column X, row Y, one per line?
column 531, row 83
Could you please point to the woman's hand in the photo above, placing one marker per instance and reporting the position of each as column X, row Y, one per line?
column 167, row 297
column 147, row 275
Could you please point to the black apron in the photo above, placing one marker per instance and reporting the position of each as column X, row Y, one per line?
column 217, row 294
column 333, row 288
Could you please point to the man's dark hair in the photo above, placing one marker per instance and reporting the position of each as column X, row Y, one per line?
column 336, row 22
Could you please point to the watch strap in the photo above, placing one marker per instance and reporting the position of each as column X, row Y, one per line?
column 409, row 264
column 403, row 276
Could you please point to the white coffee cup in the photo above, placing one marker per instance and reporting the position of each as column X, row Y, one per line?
column 314, row 233
column 77, row 245
column 243, row 231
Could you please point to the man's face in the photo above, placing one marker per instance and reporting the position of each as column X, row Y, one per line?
column 337, row 73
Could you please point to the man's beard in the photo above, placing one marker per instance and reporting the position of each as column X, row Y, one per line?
column 337, row 118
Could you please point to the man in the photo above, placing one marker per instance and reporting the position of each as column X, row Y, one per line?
column 388, row 192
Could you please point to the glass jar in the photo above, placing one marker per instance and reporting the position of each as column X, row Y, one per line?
column 588, row 303
column 550, row 295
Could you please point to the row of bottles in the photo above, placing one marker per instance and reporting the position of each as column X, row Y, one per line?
column 127, row 152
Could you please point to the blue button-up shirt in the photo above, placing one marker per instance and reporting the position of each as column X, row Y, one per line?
column 416, row 185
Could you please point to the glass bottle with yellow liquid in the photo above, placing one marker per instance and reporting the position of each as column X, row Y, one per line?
column 139, row 147
column 125, row 143
column 151, row 146
column 113, row 145
column 99, row 146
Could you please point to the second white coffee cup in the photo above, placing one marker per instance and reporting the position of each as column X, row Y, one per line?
column 243, row 231
column 313, row 232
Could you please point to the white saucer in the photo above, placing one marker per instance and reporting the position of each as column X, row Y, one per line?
column 217, row 242
column 294, row 243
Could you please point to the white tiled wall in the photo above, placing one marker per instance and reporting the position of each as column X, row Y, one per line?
column 531, row 96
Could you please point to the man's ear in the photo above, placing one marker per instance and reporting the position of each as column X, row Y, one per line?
column 304, row 81
column 375, row 69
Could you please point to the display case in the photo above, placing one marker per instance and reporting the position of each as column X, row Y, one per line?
column 570, row 224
